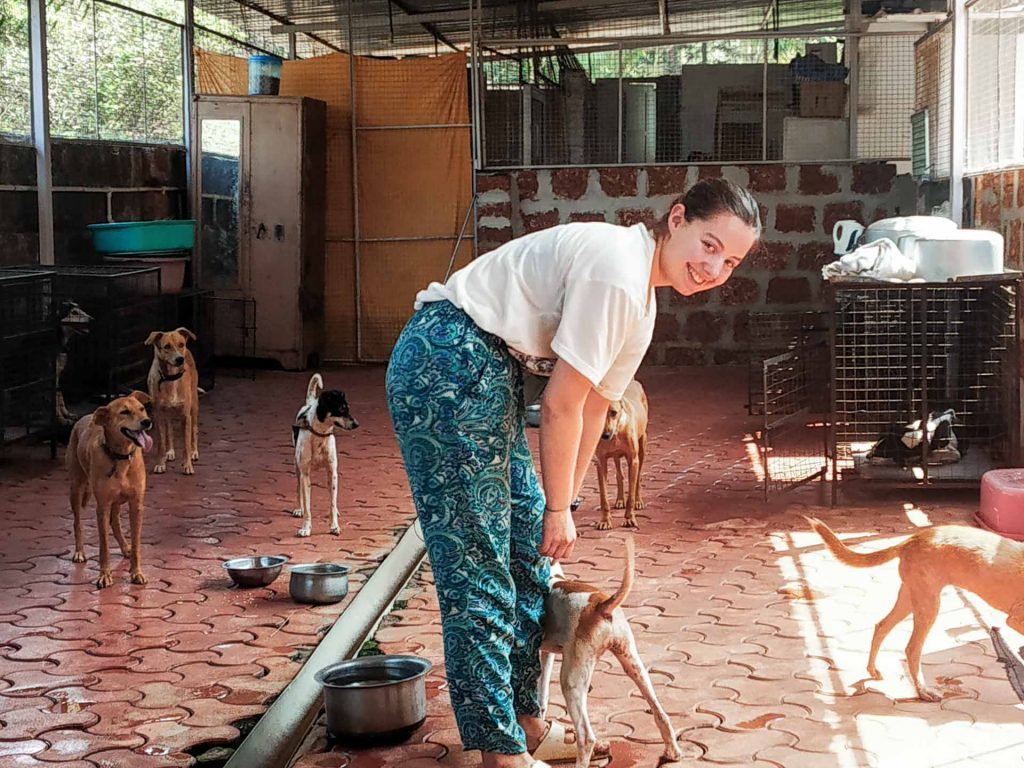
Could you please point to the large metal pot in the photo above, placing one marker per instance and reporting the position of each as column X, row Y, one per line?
column 375, row 699
column 318, row 583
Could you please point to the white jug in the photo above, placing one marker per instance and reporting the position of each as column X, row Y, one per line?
column 845, row 235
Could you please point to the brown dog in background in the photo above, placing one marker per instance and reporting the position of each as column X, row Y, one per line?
column 174, row 386
column 982, row 562
column 624, row 437
column 104, row 460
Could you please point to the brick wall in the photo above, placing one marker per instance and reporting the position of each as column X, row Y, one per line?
column 93, row 182
column 799, row 205
column 999, row 206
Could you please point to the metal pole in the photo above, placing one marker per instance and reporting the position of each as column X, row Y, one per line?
column 187, row 94
column 764, row 103
column 41, row 127
column 619, row 127
column 475, row 127
column 355, row 189
column 852, row 44
column 958, row 133
column 291, row 46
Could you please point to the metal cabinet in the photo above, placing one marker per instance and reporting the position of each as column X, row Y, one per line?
column 260, row 169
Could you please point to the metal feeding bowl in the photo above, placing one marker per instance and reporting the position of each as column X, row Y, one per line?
column 255, row 571
column 318, row 583
column 375, row 699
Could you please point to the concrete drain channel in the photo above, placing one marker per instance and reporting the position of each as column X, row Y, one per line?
column 277, row 735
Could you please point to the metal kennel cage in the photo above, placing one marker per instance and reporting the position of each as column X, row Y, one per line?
column 774, row 333
column 903, row 351
column 125, row 304
column 28, row 350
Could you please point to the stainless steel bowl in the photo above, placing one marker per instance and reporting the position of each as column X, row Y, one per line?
column 318, row 583
column 375, row 699
column 255, row 571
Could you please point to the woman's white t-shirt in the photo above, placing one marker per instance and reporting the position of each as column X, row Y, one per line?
column 579, row 292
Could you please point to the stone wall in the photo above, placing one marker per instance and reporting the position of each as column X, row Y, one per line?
column 799, row 205
column 999, row 205
column 93, row 182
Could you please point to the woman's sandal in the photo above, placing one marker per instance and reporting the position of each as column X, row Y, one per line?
column 556, row 747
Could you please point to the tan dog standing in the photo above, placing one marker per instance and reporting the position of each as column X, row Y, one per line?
column 174, row 386
column 103, row 459
column 990, row 566
column 581, row 622
column 624, row 438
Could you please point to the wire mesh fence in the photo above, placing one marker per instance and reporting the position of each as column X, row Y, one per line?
column 933, row 71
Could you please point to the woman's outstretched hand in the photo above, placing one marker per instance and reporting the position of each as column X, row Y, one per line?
column 559, row 534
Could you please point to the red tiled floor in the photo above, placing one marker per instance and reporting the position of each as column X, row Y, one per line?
column 132, row 676
column 756, row 639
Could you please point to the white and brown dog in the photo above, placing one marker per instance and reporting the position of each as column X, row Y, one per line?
column 173, row 384
column 313, row 439
column 581, row 622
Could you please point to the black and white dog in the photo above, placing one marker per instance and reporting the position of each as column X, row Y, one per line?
column 74, row 321
column 313, row 438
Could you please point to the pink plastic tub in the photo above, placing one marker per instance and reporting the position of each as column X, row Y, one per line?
column 1002, row 503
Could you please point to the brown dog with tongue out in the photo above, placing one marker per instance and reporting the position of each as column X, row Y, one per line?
column 104, row 458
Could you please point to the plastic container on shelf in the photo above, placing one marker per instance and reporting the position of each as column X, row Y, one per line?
column 264, row 75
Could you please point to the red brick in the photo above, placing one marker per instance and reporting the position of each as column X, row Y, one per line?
column 814, row 180
column 741, row 328
column 494, row 234
column 526, row 183
column 501, row 210
column 837, row 211
column 666, row 180
column 763, row 211
column 739, row 291
column 709, row 172
column 794, row 218
column 767, row 178
column 666, row 328
column 705, row 326
column 618, row 182
column 789, row 290
column 569, row 183
column 811, row 257
column 1013, row 241
column 1007, row 196
column 590, row 216
column 532, row 222
column 492, row 181
column 873, row 178
column 685, row 356
column 771, row 255
column 627, row 217
column 1020, row 188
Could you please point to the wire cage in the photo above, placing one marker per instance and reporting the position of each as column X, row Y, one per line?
column 124, row 304
column 906, row 353
column 28, row 349
column 773, row 333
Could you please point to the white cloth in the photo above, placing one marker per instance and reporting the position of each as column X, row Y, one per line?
column 881, row 259
column 579, row 292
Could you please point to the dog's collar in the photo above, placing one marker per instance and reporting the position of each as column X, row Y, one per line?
column 116, row 457
column 318, row 434
column 170, row 376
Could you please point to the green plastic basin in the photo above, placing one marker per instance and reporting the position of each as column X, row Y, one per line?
column 143, row 236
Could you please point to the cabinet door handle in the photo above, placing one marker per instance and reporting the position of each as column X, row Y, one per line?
column 261, row 231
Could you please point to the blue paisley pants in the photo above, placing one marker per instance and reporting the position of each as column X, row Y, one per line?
column 456, row 400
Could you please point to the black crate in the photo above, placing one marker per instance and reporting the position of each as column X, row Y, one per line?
column 26, row 301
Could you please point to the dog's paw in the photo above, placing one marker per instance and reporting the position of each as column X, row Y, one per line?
column 138, row 578
column 630, row 522
column 304, row 532
column 195, row 455
column 170, row 455
column 620, row 504
column 188, row 469
column 604, row 525
column 126, row 552
column 672, row 754
column 78, row 557
column 105, row 580
column 873, row 673
column 296, row 513
column 159, row 469
column 335, row 530
column 639, row 504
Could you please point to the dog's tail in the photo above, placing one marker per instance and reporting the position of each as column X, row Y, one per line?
column 605, row 608
column 315, row 386
column 847, row 556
